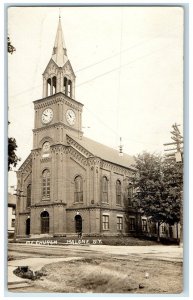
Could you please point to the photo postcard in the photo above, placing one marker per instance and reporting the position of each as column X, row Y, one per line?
column 95, row 149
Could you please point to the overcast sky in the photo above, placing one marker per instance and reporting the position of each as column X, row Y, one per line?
column 129, row 71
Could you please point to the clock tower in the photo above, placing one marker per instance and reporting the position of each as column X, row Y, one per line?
column 57, row 113
column 57, row 116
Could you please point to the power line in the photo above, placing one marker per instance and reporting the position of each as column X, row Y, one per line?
column 100, row 61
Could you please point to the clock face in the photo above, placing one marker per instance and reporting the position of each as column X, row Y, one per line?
column 47, row 115
column 70, row 116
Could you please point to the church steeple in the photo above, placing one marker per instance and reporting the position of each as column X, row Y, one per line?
column 59, row 75
column 59, row 54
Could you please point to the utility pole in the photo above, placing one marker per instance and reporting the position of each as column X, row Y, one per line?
column 177, row 155
column 19, row 195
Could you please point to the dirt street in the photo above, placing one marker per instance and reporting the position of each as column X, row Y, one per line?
column 103, row 269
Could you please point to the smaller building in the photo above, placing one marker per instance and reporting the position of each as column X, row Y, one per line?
column 11, row 214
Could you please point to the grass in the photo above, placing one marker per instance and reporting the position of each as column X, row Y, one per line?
column 112, row 275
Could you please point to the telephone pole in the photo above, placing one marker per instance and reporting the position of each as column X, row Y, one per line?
column 177, row 155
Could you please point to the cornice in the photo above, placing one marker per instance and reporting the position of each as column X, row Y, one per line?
column 37, row 205
column 55, row 125
column 58, row 97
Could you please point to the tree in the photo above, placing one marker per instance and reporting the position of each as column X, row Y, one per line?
column 173, row 184
column 12, row 145
column 10, row 47
column 156, row 195
column 12, row 157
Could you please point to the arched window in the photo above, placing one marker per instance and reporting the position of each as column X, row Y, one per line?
column 78, row 189
column 104, row 189
column 69, row 88
column 130, row 194
column 28, row 201
column 65, row 86
column 46, row 184
column 49, row 87
column 118, row 192
column 54, row 84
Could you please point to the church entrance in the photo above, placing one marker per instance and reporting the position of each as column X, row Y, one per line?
column 78, row 223
column 27, row 226
column 44, row 222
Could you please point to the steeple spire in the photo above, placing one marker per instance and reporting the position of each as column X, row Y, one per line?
column 59, row 54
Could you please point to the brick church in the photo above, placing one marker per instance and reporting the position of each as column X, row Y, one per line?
column 70, row 183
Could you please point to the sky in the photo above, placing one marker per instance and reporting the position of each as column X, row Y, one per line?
column 128, row 63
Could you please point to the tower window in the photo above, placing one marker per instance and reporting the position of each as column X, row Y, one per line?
column 49, row 86
column 46, row 184
column 78, row 189
column 69, row 88
column 65, row 86
column 54, row 84
column 118, row 192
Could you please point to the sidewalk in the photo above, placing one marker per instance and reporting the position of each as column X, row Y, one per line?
column 35, row 264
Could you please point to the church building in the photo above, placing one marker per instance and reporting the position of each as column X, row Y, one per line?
column 70, row 183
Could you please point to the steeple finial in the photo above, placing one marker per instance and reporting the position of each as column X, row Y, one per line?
column 59, row 51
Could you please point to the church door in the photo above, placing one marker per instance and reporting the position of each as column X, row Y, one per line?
column 44, row 222
column 78, row 223
column 27, row 228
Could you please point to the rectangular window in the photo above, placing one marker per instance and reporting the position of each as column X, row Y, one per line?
column 105, row 222
column 119, row 223
column 131, row 223
column 13, row 223
column 144, row 224
column 13, row 211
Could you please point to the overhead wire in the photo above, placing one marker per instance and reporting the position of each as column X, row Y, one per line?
column 98, row 62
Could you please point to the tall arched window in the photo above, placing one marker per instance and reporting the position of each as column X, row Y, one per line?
column 118, row 192
column 104, row 189
column 49, row 87
column 78, row 189
column 130, row 194
column 69, row 88
column 28, row 201
column 54, row 84
column 46, row 184
column 65, row 86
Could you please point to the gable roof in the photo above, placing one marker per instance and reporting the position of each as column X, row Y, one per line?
column 104, row 152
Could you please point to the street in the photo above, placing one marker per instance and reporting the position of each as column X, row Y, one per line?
column 98, row 268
